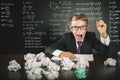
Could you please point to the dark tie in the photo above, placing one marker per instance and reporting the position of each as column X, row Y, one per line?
column 79, row 46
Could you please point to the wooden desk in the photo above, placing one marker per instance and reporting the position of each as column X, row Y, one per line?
column 96, row 71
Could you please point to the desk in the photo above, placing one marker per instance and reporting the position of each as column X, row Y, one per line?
column 96, row 71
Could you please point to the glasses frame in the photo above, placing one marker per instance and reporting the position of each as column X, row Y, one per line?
column 76, row 28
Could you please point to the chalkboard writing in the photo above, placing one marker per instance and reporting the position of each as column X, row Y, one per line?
column 6, row 19
column 32, row 37
column 32, row 25
column 114, row 21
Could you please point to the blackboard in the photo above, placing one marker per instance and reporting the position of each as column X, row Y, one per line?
column 31, row 25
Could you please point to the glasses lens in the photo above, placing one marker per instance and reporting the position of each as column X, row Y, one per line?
column 78, row 27
column 82, row 27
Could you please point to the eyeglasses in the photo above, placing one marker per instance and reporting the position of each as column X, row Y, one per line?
column 75, row 28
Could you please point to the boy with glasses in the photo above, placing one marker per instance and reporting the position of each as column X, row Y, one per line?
column 79, row 40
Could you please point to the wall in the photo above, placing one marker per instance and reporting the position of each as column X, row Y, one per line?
column 31, row 25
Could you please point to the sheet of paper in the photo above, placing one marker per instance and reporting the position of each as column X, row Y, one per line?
column 88, row 57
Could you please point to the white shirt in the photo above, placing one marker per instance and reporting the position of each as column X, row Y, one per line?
column 104, row 41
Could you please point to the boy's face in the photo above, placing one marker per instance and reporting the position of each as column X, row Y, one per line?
column 78, row 28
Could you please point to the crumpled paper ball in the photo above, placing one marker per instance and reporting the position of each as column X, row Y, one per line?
column 110, row 62
column 36, row 64
column 51, row 75
column 81, row 63
column 67, row 63
column 45, row 61
column 13, row 65
column 29, row 56
column 118, row 53
column 53, row 67
column 28, row 64
column 33, row 61
column 80, row 73
column 32, row 76
column 34, row 73
column 39, row 56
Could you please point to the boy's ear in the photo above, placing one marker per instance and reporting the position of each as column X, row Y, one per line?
column 70, row 28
